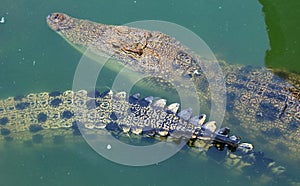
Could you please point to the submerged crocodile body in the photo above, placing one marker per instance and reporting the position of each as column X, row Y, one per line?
column 263, row 104
column 57, row 117
column 257, row 100
column 35, row 113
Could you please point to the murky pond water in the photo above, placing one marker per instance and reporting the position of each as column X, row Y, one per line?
column 35, row 59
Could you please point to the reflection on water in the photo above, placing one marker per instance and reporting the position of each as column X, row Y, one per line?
column 35, row 60
column 283, row 28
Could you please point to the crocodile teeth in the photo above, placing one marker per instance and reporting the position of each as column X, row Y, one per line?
column 210, row 126
column 185, row 114
column 173, row 107
column 160, row 104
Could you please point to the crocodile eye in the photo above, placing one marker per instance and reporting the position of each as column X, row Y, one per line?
column 58, row 17
column 61, row 17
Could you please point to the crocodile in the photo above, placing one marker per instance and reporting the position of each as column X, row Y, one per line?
column 265, row 106
column 258, row 101
column 35, row 113
column 57, row 117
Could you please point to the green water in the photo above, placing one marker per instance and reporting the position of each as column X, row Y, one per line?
column 79, row 165
column 33, row 59
column 283, row 29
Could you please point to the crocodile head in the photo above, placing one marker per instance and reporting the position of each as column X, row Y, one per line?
column 59, row 21
column 141, row 50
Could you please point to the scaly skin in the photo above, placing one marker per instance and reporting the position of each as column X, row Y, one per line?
column 265, row 106
column 53, row 118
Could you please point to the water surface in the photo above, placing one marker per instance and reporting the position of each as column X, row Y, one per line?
column 33, row 59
